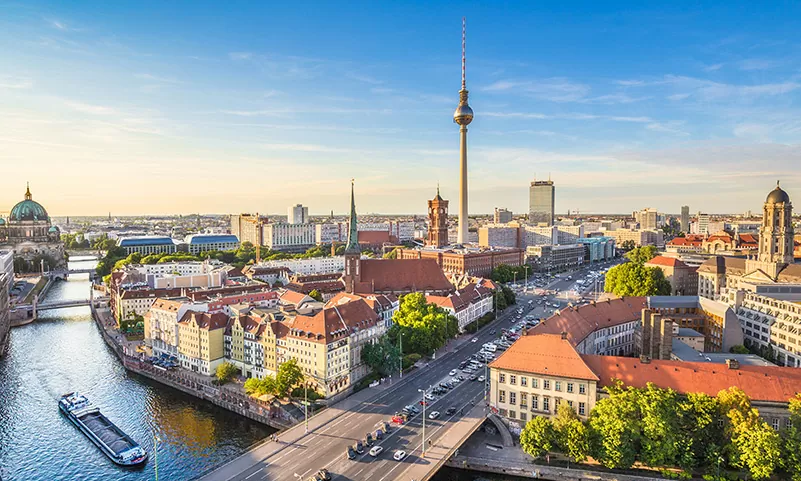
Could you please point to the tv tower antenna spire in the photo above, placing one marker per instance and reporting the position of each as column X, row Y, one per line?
column 464, row 83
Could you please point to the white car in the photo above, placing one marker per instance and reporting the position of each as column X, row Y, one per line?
column 429, row 396
column 433, row 415
column 399, row 455
column 452, row 373
column 376, row 450
column 481, row 378
column 475, row 339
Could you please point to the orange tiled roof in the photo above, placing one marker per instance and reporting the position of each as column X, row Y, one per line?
column 374, row 237
column 579, row 322
column 204, row 320
column 333, row 322
column 666, row 261
column 760, row 383
column 402, row 275
column 545, row 354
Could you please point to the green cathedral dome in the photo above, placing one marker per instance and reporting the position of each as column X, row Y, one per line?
column 28, row 210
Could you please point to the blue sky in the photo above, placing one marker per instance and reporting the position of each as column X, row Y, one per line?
column 142, row 107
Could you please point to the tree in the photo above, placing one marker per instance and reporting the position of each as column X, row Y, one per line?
column 615, row 428
column 627, row 245
column 382, row 356
column 660, row 438
column 288, row 376
column 571, row 435
column 259, row 387
column 252, row 386
column 509, row 294
column 393, row 254
column 700, row 425
column 641, row 255
column 791, row 441
column 755, row 445
column 537, row 437
column 225, row 372
column 315, row 294
column 505, row 273
column 425, row 327
column 633, row 279
column 739, row 349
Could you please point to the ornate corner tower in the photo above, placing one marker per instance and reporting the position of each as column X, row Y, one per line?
column 775, row 235
column 463, row 116
column 437, row 221
column 353, row 252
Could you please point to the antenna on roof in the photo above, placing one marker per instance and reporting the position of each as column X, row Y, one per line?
column 463, row 55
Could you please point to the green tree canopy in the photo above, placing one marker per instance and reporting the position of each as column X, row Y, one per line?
column 791, row 440
column 506, row 273
column 315, row 294
column 383, row 356
column 537, row 438
column 633, row 279
column 570, row 434
column 225, row 372
column 425, row 327
column 641, row 255
column 288, row 376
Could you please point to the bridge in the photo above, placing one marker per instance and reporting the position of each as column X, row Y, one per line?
column 64, row 273
column 301, row 451
column 45, row 306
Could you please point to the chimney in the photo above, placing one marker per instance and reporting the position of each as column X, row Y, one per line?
column 564, row 336
column 733, row 363
column 645, row 359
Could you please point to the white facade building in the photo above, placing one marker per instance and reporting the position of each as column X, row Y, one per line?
column 331, row 232
column 289, row 237
column 7, row 267
column 316, row 265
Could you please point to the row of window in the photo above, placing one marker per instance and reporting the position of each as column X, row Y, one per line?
column 546, row 383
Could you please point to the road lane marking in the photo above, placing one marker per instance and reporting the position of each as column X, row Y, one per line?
column 254, row 473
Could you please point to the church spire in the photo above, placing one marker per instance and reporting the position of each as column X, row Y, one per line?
column 353, row 232
column 28, row 195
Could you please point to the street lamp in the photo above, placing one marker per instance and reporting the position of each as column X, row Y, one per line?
column 306, row 404
column 525, row 288
column 400, row 354
column 156, row 440
column 423, row 391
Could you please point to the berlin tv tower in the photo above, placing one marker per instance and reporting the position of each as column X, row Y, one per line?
column 463, row 116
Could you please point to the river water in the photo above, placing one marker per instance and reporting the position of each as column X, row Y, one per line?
column 62, row 352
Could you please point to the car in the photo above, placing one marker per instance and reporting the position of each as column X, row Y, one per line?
column 433, row 415
column 481, row 378
column 399, row 455
column 376, row 450
column 324, row 475
column 493, row 331
column 351, row 453
column 451, row 410
column 473, row 377
column 452, row 373
column 369, row 439
column 359, row 447
column 429, row 396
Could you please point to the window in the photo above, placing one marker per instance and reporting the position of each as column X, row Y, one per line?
column 512, row 414
column 775, row 423
column 523, row 400
column 570, row 387
column 546, row 384
column 582, row 389
column 501, row 396
column 546, row 404
column 501, row 378
column 582, row 409
column 570, row 403
column 512, row 398
column 534, row 383
column 523, row 416
column 556, row 403
column 503, row 412
column 557, row 386
column 535, row 403
column 523, row 381
column 512, row 379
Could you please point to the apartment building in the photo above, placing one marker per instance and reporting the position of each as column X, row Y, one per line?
column 198, row 243
column 683, row 278
column 161, row 324
column 200, row 341
column 555, row 258
column 466, row 304
column 289, row 237
column 248, row 228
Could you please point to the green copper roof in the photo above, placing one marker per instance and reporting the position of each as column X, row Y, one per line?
column 28, row 210
column 353, row 232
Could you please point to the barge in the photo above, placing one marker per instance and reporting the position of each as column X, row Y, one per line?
column 112, row 441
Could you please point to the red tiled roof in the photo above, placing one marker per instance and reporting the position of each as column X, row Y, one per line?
column 333, row 322
column 749, row 239
column 579, row 322
column 666, row 261
column 760, row 383
column 204, row 320
column 687, row 241
column 545, row 354
column 374, row 237
column 402, row 275
column 295, row 298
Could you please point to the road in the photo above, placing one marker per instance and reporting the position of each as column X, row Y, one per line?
column 301, row 455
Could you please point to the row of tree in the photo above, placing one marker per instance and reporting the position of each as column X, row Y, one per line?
column 660, row 428
column 288, row 376
column 634, row 278
column 505, row 273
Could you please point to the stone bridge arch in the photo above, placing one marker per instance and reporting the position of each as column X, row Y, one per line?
column 502, row 428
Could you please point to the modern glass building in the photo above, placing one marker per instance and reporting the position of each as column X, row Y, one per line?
column 541, row 202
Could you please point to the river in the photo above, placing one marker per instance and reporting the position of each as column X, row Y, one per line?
column 62, row 352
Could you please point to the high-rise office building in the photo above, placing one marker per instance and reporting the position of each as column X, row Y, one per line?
column 541, row 201
column 648, row 218
column 297, row 214
column 502, row 216
column 703, row 223
column 685, row 219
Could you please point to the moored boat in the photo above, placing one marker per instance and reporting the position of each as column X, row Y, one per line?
column 112, row 441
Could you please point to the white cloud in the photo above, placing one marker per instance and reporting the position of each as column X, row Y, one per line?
column 553, row 89
column 757, row 64
column 89, row 108
column 240, row 55
column 363, row 78
column 516, row 115
column 306, row 148
column 15, row 83
column 156, row 78
column 712, row 68
column 671, row 127
column 567, row 116
column 675, row 97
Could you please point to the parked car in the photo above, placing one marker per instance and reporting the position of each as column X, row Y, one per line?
column 369, row 439
column 433, row 415
column 324, row 475
column 376, row 450
column 452, row 373
column 481, row 378
column 359, row 447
